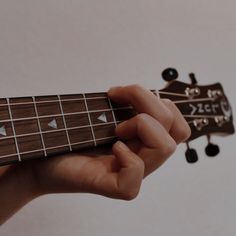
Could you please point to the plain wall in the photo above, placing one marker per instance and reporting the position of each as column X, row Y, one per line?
column 55, row 47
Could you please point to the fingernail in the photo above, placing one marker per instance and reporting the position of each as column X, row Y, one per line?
column 122, row 146
column 122, row 124
column 112, row 89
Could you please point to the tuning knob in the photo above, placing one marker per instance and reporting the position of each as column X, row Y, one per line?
column 193, row 78
column 191, row 155
column 170, row 74
column 212, row 150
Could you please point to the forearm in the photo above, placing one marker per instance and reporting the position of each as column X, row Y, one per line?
column 15, row 192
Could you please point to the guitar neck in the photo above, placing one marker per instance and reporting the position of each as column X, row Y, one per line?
column 43, row 126
column 36, row 127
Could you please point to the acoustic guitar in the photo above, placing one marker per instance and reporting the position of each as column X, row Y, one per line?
column 43, row 126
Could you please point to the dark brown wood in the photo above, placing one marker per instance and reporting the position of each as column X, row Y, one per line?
column 25, row 127
column 45, row 121
column 77, row 120
column 80, row 135
column 22, row 111
column 7, row 147
column 43, row 126
column 4, row 113
column 201, row 107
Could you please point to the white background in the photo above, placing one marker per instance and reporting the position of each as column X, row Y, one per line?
column 72, row 46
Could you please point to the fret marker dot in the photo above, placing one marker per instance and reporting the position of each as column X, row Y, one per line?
column 103, row 117
column 3, row 131
column 53, row 124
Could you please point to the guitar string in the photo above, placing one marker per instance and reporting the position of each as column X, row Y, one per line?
column 14, row 132
column 75, row 99
column 57, row 101
column 194, row 100
column 87, row 126
column 94, row 111
column 58, row 130
column 122, row 108
column 203, row 116
column 60, row 146
column 66, row 114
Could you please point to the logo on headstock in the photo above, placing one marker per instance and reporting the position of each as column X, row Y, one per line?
column 202, row 108
column 205, row 108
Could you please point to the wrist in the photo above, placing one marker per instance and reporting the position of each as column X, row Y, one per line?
column 21, row 181
column 16, row 191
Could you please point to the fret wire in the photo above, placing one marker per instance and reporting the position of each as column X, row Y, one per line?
column 40, row 128
column 64, row 121
column 90, row 122
column 13, row 130
column 112, row 110
column 61, row 146
column 67, row 114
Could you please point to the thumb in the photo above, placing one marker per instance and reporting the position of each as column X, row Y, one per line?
column 131, row 171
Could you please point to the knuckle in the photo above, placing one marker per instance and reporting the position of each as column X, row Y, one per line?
column 142, row 117
column 130, row 195
column 169, row 117
column 185, row 133
column 169, row 111
column 136, row 89
column 168, row 102
column 139, row 164
column 169, row 149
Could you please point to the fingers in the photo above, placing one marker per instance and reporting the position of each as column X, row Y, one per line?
column 143, row 101
column 180, row 130
column 159, row 144
column 155, row 132
column 147, row 129
column 126, row 182
column 163, row 110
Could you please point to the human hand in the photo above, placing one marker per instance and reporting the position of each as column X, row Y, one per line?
column 151, row 137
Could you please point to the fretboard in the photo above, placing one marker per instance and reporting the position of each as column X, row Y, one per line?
column 43, row 126
column 39, row 127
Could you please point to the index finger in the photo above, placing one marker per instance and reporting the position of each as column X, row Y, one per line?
column 143, row 101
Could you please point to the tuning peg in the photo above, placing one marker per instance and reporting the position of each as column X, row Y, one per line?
column 212, row 150
column 191, row 155
column 170, row 74
column 193, row 78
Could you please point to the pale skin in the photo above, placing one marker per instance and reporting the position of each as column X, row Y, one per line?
column 148, row 140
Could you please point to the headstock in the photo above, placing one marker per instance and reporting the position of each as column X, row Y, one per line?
column 205, row 108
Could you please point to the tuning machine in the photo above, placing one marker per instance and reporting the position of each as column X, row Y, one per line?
column 221, row 120
column 193, row 78
column 199, row 124
column 170, row 74
column 191, row 155
column 211, row 149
